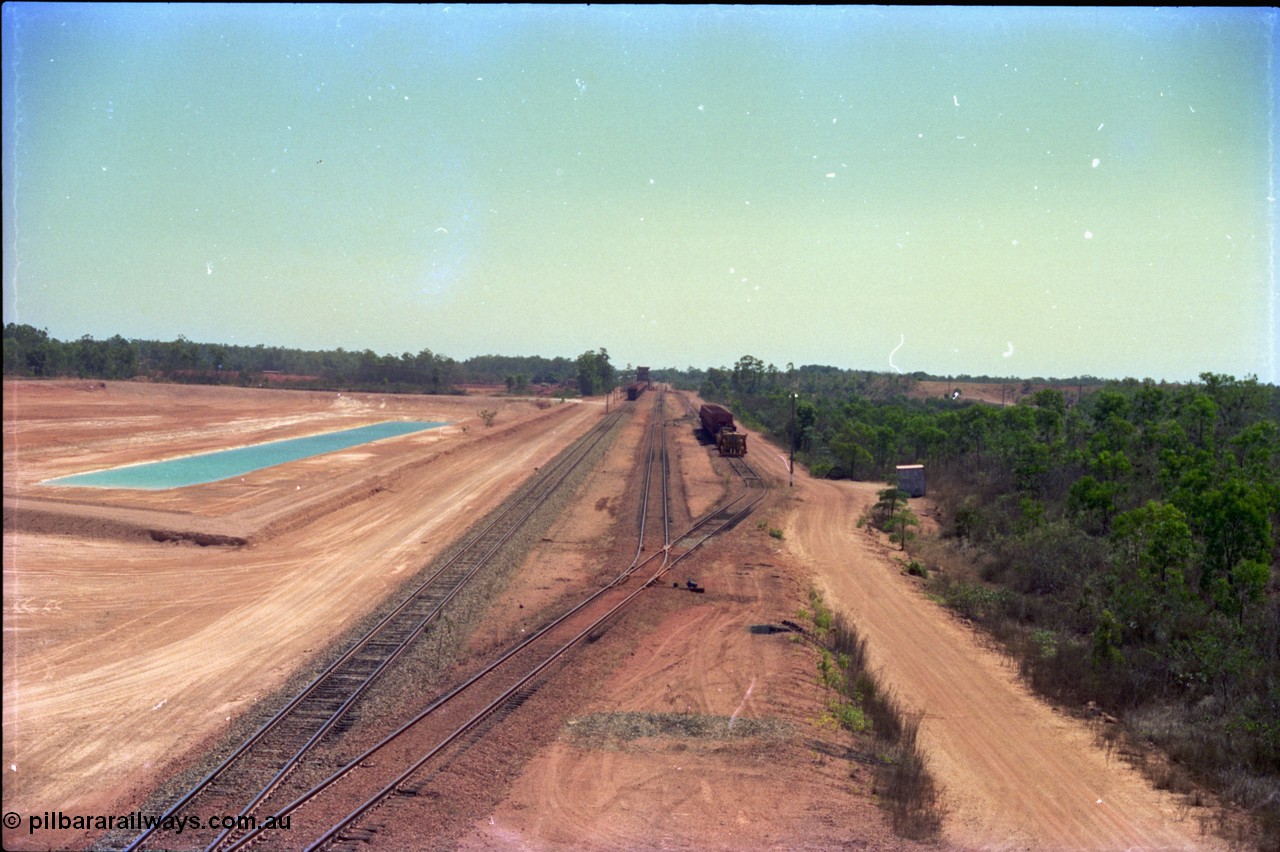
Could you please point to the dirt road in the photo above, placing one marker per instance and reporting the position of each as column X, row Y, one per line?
column 1016, row 774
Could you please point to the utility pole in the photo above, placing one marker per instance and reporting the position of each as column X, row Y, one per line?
column 791, row 467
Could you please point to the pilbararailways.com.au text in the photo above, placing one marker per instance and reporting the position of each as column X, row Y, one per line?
column 138, row 821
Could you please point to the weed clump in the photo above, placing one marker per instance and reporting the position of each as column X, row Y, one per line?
column 861, row 706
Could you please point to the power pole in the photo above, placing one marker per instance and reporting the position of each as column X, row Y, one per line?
column 791, row 466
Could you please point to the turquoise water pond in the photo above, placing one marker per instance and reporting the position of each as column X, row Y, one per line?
column 224, row 464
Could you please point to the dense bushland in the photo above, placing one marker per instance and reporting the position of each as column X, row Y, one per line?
column 29, row 351
column 1121, row 542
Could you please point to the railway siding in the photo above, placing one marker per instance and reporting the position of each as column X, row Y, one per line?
column 426, row 659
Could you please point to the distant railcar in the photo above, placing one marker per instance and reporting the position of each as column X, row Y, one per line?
column 718, row 423
column 634, row 390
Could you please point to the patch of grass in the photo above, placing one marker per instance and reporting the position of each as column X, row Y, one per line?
column 605, row 729
column 904, row 781
column 773, row 532
column 863, row 707
column 916, row 568
column 1046, row 643
column 823, row 617
column 849, row 716
column 976, row 601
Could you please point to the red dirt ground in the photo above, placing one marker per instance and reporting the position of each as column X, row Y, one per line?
column 124, row 654
column 996, row 393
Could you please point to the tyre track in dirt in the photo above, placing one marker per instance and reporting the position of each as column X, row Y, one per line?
column 1015, row 773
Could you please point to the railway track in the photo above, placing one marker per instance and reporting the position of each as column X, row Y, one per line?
column 656, row 491
column 401, row 766
column 729, row 514
column 247, row 777
column 402, row 763
column 396, row 769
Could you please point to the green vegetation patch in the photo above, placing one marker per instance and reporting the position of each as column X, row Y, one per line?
column 603, row 729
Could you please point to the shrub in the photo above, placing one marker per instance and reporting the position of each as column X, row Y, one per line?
column 916, row 568
column 903, row 782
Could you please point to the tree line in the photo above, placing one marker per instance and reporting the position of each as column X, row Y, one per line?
column 31, row 352
column 1124, row 538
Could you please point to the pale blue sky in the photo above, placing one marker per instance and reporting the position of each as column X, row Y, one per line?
column 1003, row 191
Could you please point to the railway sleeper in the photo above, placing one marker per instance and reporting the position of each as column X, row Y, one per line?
column 351, row 677
column 358, row 835
column 318, row 717
column 327, row 693
column 376, row 650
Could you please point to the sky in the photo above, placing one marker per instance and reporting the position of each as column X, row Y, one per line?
column 999, row 191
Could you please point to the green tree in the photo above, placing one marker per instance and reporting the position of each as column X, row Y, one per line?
column 1236, row 526
column 595, row 374
column 26, row 351
column 748, row 375
column 850, row 447
column 1152, row 547
column 1051, row 410
column 1153, row 539
column 895, row 516
column 1093, row 503
column 806, row 420
column 1248, row 586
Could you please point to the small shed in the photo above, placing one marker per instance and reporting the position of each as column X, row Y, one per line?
column 911, row 479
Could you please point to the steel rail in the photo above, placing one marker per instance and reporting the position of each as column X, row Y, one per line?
column 749, row 479
column 551, row 479
column 656, row 450
column 471, row 723
column 456, row 692
column 457, row 589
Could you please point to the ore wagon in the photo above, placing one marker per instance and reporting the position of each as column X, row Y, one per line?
column 714, row 418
